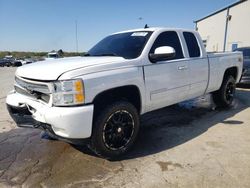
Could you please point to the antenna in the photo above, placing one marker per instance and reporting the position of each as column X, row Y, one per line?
column 146, row 26
column 76, row 37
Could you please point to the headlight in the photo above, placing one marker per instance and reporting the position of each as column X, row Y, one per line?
column 68, row 92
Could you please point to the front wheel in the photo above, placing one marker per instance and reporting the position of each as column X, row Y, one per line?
column 225, row 95
column 115, row 130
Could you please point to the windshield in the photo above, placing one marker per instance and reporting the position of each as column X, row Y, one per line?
column 52, row 56
column 127, row 45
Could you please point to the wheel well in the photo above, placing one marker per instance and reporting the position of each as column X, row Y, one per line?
column 232, row 71
column 129, row 93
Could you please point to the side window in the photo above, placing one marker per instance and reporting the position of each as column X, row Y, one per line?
column 192, row 44
column 168, row 38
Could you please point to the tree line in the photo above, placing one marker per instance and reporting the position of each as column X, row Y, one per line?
column 17, row 55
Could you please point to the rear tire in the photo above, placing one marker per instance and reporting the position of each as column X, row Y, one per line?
column 115, row 130
column 225, row 95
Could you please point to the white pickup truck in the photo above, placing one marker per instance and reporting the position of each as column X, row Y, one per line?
column 98, row 98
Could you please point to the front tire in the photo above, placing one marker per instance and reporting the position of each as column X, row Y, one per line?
column 115, row 130
column 225, row 95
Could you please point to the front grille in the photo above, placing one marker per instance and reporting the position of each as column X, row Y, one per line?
column 39, row 87
column 35, row 90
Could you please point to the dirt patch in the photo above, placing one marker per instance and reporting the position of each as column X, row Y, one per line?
column 168, row 166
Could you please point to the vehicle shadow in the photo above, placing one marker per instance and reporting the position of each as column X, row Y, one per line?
column 246, row 86
column 171, row 126
column 160, row 130
column 174, row 125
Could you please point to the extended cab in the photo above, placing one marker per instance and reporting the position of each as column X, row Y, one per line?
column 100, row 97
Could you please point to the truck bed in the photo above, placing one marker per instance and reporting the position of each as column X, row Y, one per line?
column 218, row 63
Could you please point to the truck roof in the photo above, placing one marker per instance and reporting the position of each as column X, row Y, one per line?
column 155, row 29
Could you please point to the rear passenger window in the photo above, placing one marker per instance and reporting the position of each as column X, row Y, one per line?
column 168, row 38
column 192, row 44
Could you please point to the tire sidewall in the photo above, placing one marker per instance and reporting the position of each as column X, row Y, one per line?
column 97, row 142
column 229, row 80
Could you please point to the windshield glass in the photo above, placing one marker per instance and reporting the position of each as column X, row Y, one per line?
column 52, row 56
column 127, row 45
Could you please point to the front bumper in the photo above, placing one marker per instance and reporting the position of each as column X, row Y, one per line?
column 63, row 122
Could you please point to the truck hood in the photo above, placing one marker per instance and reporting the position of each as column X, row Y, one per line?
column 52, row 69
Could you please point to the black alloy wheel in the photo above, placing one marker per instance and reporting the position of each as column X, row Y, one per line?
column 115, row 129
column 118, row 130
column 224, row 97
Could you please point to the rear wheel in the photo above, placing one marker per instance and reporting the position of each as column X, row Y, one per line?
column 115, row 130
column 225, row 95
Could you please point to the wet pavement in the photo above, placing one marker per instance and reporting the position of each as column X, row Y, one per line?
column 191, row 144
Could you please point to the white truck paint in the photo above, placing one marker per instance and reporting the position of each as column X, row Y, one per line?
column 160, row 83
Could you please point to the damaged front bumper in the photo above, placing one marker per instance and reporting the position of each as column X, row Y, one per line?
column 71, row 124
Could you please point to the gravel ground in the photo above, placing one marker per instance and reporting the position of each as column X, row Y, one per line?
column 186, row 145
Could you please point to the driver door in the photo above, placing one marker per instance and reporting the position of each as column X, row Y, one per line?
column 167, row 82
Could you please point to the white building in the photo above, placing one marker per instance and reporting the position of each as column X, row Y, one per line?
column 227, row 28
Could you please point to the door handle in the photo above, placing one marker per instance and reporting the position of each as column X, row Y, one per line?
column 182, row 67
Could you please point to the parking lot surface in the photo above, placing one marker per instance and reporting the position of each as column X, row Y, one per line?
column 191, row 144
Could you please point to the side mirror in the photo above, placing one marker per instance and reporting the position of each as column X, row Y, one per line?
column 162, row 53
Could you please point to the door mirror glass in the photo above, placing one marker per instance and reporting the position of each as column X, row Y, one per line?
column 162, row 53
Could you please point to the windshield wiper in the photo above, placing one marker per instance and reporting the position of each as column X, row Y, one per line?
column 107, row 54
column 104, row 54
